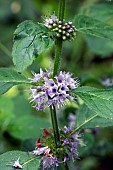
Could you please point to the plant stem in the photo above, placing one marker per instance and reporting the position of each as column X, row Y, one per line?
column 61, row 9
column 58, row 42
column 58, row 51
column 56, row 132
column 55, row 124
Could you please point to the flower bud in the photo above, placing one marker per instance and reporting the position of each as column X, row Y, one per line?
column 63, row 29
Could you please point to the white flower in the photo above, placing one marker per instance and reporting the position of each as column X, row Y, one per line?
column 17, row 164
column 50, row 22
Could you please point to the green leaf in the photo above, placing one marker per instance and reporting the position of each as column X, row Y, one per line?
column 93, row 27
column 28, row 161
column 9, row 78
column 26, row 127
column 30, row 40
column 98, row 100
column 86, row 118
column 98, row 46
column 102, row 12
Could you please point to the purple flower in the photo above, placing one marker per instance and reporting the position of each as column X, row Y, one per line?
column 55, row 161
column 66, row 158
column 42, row 75
column 67, row 129
column 74, row 156
column 37, row 77
column 71, row 119
column 71, row 143
column 49, row 162
column 51, row 155
column 60, row 78
column 49, row 83
column 54, row 18
column 66, row 141
column 49, row 22
column 17, row 164
column 73, row 151
column 96, row 131
column 50, row 91
column 40, row 151
column 75, row 136
column 60, row 98
column 63, row 88
column 74, row 144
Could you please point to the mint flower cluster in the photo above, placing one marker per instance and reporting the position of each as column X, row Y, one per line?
column 65, row 151
column 48, row 91
column 64, row 30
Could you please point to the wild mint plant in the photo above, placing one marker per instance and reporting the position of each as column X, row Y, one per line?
column 53, row 87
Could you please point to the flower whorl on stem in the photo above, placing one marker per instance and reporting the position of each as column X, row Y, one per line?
column 52, row 91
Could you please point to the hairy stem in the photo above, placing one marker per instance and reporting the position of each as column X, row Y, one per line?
column 56, row 132
column 55, row 124
column 58, row 41
column 61, row 9
column 58, row 50
column 58, row 53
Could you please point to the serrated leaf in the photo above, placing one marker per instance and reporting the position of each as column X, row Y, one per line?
column 30, row 40
column 9, row 78
column 86, row 118
column 28, row 161
column 104, row 13
column 98, row 100
column 93, row 27
column 26, row 127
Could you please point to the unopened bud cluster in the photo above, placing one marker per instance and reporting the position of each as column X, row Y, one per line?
column 64, row 30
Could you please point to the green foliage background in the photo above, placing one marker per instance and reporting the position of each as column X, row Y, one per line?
column 87, row 57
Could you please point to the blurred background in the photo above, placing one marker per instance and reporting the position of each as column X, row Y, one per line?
column 89, row 58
